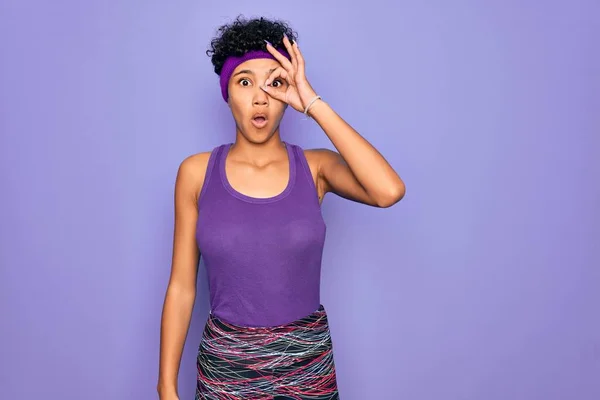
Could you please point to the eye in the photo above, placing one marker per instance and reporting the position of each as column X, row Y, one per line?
column 277, row 83
column 244, row 82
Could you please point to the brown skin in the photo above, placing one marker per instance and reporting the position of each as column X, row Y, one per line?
column 257, row 165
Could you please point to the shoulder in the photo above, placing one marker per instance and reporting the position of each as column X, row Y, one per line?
column 192, row 172
column 319, row 157
column 195, row 164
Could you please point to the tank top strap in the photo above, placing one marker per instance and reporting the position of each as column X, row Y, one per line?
column 211, row 176
column 304, row 176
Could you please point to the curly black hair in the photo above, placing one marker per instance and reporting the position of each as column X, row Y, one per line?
column 242, row 35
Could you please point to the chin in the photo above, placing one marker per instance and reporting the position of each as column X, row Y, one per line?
column 256, row 136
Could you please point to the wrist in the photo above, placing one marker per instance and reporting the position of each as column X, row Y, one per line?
column 306, row 93
column 314, row 109
column 306, row 99
column 164, row 389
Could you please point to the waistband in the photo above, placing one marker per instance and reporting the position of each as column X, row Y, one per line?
column 314, row 320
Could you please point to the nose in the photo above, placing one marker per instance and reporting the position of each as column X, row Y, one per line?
column 260, row 97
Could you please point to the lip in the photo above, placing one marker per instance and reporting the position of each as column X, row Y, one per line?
column 259, row 124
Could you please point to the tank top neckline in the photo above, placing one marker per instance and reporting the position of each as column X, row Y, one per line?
column 260, row 200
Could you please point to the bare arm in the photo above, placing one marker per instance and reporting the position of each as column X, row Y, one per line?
column 358, row 172
column 181, row 291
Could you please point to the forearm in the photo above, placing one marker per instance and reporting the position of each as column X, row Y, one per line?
column 369, row 167
column 177, row 312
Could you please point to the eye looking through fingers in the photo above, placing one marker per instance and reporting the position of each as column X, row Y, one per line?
column 278, row 82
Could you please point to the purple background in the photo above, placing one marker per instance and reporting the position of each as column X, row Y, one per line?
column 483, row 283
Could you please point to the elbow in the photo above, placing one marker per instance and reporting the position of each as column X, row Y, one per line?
column 181, row 291
column 393, row 196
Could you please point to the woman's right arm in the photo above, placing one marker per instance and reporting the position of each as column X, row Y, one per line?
column 181, row 290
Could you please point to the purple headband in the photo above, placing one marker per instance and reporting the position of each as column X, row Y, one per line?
column 232, row 62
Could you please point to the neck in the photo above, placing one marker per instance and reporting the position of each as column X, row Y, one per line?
column 258, row 152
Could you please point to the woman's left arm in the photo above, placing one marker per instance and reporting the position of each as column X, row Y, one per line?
column 358, row 172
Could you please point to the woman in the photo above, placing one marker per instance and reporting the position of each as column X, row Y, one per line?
column 252, row 209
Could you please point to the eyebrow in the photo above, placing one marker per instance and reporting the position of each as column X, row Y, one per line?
column 250, row 72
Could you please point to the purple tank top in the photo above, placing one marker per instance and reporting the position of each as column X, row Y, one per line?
column 262, row 255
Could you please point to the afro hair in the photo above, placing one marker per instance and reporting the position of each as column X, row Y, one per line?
column 242, row 35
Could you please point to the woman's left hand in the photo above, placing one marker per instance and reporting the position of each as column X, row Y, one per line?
column 298, row 92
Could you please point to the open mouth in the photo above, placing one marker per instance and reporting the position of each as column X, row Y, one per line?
column 259, row 120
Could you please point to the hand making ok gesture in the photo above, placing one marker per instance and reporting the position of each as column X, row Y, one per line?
column 298, row 92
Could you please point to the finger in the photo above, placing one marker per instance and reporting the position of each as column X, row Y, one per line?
column 279, row 91
column 279, row 57
column 274, row 93
column 300, row 60
column 290, row 49
column 279, row 72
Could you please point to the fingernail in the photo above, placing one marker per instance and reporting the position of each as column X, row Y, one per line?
column 269, row 43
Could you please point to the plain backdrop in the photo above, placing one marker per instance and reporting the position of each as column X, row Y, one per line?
column 482, row 283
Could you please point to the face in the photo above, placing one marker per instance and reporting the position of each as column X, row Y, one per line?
column 257, row 115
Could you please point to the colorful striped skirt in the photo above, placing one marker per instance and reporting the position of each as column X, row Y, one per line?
column 291, row 361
